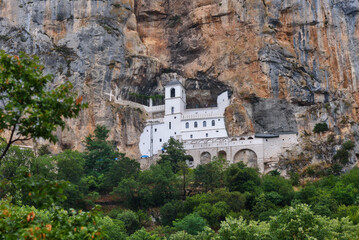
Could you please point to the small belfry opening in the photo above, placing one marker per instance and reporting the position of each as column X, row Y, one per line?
column 173, row 92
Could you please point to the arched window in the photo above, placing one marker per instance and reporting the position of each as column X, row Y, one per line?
column 195, row 124
column 204, row 124
column 173, row 92
column 187, row 124
column 213, row 123
column 172, row 110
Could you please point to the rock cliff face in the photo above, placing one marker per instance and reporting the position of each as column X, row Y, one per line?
column 289, row 63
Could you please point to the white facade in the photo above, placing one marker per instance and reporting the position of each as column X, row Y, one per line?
column 181, row 123
column 204, row 135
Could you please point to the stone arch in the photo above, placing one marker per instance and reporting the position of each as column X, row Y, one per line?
column 205, row 158
column 222, row 154
column 247, row 156
column 189, row 161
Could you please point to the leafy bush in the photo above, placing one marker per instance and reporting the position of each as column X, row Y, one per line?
column 53, row 223
column 348, row 145
column 113, row 228
column 192, row 224
column 239, row 229
column 142, row 234
column 240, row 178
column 320, row 127
column 130, row 220
column 182, row 235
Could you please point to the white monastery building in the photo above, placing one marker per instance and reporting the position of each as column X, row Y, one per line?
column 204, row 135
column 203, row 132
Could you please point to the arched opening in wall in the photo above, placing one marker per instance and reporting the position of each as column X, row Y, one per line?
column 222, row 155
column 250, row 138
column 190, row 161
column 246, row 156
column 173, row 92
column 205, row 158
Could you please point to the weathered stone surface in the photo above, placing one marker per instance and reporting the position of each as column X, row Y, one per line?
column 288, row 63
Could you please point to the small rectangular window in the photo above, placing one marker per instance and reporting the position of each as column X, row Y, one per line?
column 160, row 139
column 169, row 125
column 191, row 136
column 155, row 129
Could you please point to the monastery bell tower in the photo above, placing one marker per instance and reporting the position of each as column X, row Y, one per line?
column 175, row 104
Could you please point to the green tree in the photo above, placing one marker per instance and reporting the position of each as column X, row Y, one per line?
column 240, row 229
column 44, row 166
column 100, row 154
column 113, row 229
column 240, row 178
column 210, row 175
column 192, row 224
column 279, row 185
column 299, row 222
column 27, row 109
column 70, row 165
column 164, row 185
column 13, row 160
column 123, row 167
column 174, row 154
column 182, row 235
column 130, row 220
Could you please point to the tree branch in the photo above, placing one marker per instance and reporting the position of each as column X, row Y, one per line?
column 9, row 143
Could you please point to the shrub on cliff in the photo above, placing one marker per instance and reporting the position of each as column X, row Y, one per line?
column 320, row 127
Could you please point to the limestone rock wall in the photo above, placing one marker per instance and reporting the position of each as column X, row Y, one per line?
column 288, row 63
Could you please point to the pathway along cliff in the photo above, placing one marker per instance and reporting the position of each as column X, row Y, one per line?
column 289, row 64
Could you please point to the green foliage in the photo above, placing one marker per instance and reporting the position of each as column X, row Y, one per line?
column 153, row 187
column 112, row 229
column 130, row 220
column 44, row 150
column 352, row 212
column 27, row 107
column 44, row 166
column 320, row 127
column 345, row 194
column 348, row 145
column 182, row 235
column 13, row 160
column 100, row 154
column 294, row 178
column 209, row 175
column 239, row 229
column 53, row 223
column 300, row 222
column 142, row 234
column 162, row 183
column 342, row 156
column 240, row 178
column 33, row 190
column 282, row 187
column 122, row 168
column 171, row 211
column 174, row 154
column 192, row 224
column 214, row 214
column 70, row 165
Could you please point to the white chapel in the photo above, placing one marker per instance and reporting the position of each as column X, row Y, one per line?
column 181, row 123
